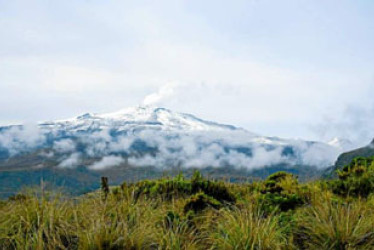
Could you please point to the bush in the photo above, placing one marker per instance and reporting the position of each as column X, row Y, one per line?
column 199, row 202
column 178, row 187
column 355, row 179
column 18, row 197
column 281, row 191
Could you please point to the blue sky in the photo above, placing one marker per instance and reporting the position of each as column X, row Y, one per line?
column 298, row 68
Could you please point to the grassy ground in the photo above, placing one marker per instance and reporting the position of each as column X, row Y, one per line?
column 179, row 213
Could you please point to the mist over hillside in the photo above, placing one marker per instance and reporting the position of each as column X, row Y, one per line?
column 158, row 137
column 144, row 142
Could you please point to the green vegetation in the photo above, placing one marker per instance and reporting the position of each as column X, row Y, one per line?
column 168, row 189
column 197, row 213
column 355, row 179
column 281, row 191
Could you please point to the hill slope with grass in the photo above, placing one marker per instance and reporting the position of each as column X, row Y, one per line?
column 199, row 213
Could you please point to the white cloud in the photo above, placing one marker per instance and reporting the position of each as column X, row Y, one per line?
column 354, row 122
column 220, row 150
column 21, row 138
column 163, row 93
column 180, row 148
column 47, row 154
column 106, row 162
column 71, row 162
column 64, row 146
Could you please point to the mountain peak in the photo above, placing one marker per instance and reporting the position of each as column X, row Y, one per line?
column 164, row 117
column 149, row 116
column 139, row 111
column 86, row 116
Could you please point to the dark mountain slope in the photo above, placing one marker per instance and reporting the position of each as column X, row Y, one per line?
column 346, row 158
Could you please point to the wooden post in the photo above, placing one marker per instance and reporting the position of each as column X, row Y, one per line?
column 104, row 187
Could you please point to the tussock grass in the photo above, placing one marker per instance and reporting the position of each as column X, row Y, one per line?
column 248, row 229
column 336, row 225
column 278, row 213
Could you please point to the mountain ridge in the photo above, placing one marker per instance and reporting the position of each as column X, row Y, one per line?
column 346, row 157
column 155, row 138
column 149, row 127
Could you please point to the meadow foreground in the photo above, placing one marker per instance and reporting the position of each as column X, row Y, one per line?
column 196, row 213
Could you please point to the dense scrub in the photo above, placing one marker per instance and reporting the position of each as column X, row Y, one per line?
column 180, row 187
column 281, row 191
column 196, row 213
column 355, row 179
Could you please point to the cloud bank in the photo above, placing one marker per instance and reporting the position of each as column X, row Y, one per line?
column 18, row 139
column 198, row 150
column 183, row 141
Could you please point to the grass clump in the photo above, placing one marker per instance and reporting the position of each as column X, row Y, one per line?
column 248, row 229
column 334, row 225
column 35, row 223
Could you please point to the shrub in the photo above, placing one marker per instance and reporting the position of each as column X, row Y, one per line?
column 217, row 190
column 199, row 202
column 281, row 191
column 179, row 187
column 355, row 179
column 18, row 197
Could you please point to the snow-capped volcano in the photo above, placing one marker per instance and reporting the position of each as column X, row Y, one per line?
column 148, row 136
column 142, row 142
column 151, row 117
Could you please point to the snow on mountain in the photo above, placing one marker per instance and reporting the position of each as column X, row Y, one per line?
column 148, row 136
column 146, row 116
column 342, row 144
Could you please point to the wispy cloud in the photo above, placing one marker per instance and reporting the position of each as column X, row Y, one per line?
column 64, row 146
column 107, row 162
column 154, row 99
column 17, row 139
column 71, row 161
column 355, row 123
